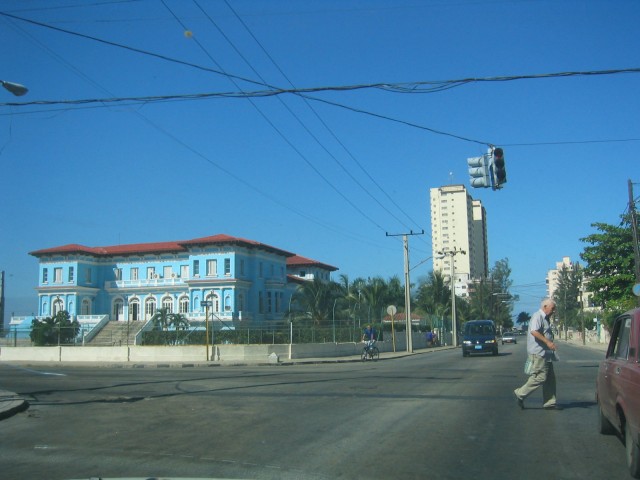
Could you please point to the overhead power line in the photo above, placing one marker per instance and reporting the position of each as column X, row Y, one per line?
column 416, row 87
column 425, row 86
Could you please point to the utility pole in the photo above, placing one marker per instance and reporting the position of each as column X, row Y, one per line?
column 407, row 285
column 454, row 328
column 2, row 302
column 634, row 229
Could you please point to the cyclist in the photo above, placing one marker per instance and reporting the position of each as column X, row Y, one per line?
column 369, row 337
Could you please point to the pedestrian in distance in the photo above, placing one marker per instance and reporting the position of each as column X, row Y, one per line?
column 541, row 354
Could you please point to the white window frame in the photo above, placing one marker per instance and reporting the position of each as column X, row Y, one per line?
column 212, row 267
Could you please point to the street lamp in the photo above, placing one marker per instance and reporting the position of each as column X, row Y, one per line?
column 452, row 254
column 15, row 88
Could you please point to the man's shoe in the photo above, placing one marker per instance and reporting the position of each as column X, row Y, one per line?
column 519, row 400
column 552, row 407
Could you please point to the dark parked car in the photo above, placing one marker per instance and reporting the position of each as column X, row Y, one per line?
column 479, row 337
column 509, row 337
column 618, row 387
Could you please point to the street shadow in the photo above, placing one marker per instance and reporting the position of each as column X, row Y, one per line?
column 568, row 406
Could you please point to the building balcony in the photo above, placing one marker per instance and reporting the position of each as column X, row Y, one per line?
column 144, row 283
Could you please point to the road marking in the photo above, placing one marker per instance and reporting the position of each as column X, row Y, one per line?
column 36, row 371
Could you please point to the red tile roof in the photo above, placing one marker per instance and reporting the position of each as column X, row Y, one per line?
column 157, row 247
column 299, row 261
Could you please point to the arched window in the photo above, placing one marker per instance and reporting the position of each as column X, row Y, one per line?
column 134, row 310
column 118, row 309
column 184, row 304
column 227, row 303
column 167, row 302
column 58, row 306
column 149, row 307
column 215, row 301
column 86, row 307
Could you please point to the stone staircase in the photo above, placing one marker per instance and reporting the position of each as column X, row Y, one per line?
column 114, row 334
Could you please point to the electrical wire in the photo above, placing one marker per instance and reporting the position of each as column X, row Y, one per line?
column 280, row 133
column 324, row 124
column 429, row 86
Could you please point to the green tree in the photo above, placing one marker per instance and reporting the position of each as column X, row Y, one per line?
column 609, row 267
column 567, row 295
column 490, row 297
column 501, row 298
column 57, row 330
column 315, row 300
column 395, row 291
column 523, row 320
column 376, row 296
column 161, row 319
column 178, row 321
column 481, row 300
column 433, row 295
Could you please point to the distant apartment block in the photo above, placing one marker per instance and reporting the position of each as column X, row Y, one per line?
column 459, row 222
column 553, row 277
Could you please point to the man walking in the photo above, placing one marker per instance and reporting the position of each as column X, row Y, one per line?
column 541, row 350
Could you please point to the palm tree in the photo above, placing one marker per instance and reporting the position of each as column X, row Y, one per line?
column 395, row 291
column 434, row 296
column 316, row 299
column 162, row 318
column 375, row 294
column 179, row 322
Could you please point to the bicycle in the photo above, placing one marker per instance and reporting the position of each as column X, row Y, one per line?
column 370, row 351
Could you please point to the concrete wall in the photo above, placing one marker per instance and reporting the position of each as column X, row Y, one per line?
column 228, row 354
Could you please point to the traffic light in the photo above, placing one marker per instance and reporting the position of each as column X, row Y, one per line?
column 479, row 176
column 499, row 170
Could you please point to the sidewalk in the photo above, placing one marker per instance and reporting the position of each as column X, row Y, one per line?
column 578, row 343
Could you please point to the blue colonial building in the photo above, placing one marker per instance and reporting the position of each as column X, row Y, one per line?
column 238, row 280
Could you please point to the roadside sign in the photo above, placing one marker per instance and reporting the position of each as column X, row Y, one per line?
column 206, row 303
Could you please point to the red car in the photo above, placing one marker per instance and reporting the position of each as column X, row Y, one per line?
column 618, row 387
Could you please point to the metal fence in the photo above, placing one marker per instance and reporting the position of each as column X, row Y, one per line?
column 200, row 335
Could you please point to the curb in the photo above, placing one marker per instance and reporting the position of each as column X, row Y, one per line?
column 10, row 404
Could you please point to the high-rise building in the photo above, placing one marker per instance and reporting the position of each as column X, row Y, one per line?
column 553, row 282
column 458, row 222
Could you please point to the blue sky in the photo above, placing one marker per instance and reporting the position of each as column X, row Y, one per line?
column 320, row 180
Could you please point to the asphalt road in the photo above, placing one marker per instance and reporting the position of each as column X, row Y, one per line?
column 434, row 415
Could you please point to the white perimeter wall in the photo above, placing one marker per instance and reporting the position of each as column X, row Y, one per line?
column 180, row 354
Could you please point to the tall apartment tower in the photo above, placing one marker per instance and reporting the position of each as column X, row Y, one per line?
column 553, row 277
column 459, row 222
